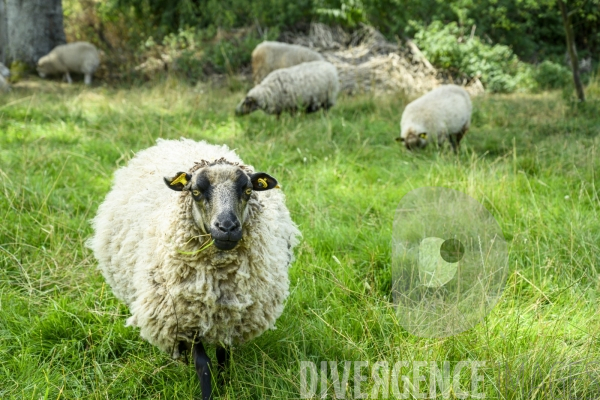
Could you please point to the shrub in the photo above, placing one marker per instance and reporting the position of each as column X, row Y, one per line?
column 229, row 56
column 447, row 47
column 550, row 75
column 350, row 13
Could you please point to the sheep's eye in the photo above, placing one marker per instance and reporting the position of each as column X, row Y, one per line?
column 248, row 191
column 196, row 192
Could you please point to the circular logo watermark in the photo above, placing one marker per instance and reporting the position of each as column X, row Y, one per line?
column 449, row 262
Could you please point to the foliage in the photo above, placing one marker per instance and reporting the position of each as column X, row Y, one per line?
column 228, row 56
column 350, row 13
column 549, row 75
column 450, row 48
column 170, row 16
column 199, row 53
column 531, row 28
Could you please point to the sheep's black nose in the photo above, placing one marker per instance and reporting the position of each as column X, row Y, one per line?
column 227, row 226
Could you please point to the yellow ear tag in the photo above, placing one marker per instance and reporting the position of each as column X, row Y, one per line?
column 423, row 136
column 180, row 179
column 262, row 182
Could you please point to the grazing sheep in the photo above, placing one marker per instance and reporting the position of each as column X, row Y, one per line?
column 442, row 114
column 153, row 246
column 81, row 57
column 309, row 86
column 269, row 56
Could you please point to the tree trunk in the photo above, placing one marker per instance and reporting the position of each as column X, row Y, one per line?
column 571, row 48
column 29, row 29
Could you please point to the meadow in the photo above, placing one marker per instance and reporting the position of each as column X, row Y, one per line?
column 530, row 159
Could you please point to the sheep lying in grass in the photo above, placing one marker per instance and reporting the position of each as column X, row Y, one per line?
column 308, row 86
column 204, row 262
column 442, row 114
column 269, row 56
column 80, row 57
column 4, row 73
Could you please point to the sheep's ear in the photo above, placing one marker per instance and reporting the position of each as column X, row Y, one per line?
column 261, row 181
column 399, row 139
column 178, row 182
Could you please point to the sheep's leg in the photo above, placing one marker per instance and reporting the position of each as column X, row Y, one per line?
column 454, row 142
column 222, row 357
column 202, row 364
column 222, row 361
column 183, row 350
column 68, row 78
column 455, row 139
column 87, row 79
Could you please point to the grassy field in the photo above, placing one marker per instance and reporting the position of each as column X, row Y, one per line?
column 530, row 159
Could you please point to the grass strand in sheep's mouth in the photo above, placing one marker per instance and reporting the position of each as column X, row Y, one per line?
column 201, row 249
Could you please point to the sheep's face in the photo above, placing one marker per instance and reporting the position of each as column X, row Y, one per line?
column 414, row 140
column 44, row 66
column 247, row 106
column 221, row 193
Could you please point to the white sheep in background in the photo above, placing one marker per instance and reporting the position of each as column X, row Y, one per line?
column 269, row 56
column 153, row 248
column 442, row 114
column 308, row 86
column 80, row 57
column 4, row 73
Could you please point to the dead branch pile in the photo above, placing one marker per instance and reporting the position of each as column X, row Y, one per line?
column 367, row 62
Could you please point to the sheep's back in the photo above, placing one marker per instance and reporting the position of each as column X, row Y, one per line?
column 270, row 56
column 80, row 57
column 306, row 84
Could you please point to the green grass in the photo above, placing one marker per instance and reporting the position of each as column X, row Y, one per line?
column 532, row 160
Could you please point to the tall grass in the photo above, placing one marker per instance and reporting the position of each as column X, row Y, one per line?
column 530, row 159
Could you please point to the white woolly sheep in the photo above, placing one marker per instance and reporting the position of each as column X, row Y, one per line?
column 269, row 56
column 442, row 114
column 80, row 57
column 153, row 248
column 309, row 86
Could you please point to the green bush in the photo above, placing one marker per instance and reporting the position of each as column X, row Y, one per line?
column 197, row 53
column 448, row 47
column 229, row 56
column 350, row 13
column 189, row 66
column 550, row 75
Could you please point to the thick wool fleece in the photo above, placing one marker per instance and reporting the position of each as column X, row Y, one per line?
column 443, row 111
column 146, row 243
column 269, row 56
column 311, row 85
